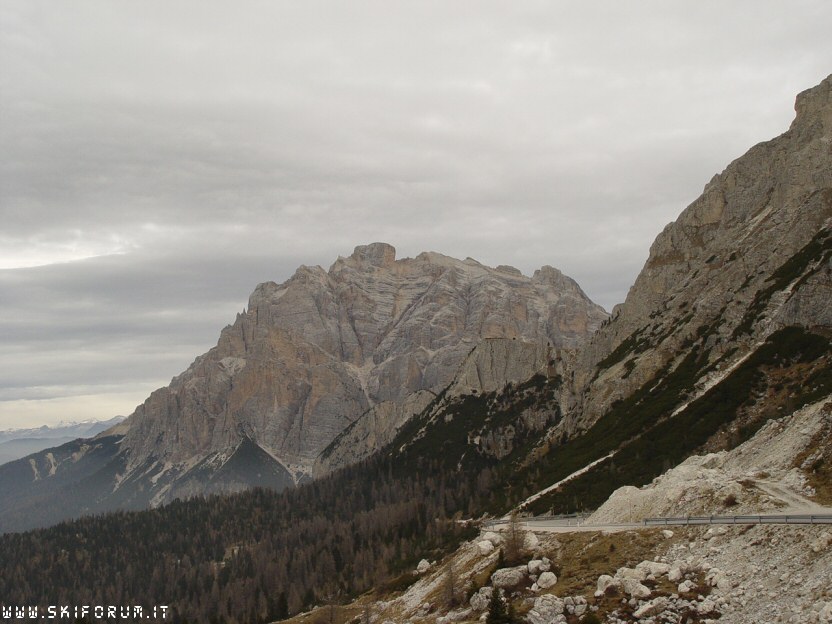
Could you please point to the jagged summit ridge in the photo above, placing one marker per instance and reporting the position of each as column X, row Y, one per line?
column 377, row 254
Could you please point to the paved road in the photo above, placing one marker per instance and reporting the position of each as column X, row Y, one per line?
column 573, row 524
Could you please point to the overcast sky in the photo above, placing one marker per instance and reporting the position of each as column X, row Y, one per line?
column 159, row 159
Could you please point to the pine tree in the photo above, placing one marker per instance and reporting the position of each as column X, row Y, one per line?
column 497, row 609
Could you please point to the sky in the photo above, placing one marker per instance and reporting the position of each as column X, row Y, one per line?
column 160, row 159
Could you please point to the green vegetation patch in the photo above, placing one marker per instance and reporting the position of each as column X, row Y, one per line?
column 818, row 249
column 634, row 343
column 665, row 441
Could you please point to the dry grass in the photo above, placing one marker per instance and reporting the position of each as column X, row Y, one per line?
column 585, row 556
column 578, row 559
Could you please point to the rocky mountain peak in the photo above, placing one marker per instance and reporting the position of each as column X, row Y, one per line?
column 377, row 254
column 371, row 336
column 815, row 105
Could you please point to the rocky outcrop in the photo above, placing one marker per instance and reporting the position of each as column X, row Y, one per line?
column 374, row 429
column 495, row 362
column 490, row 366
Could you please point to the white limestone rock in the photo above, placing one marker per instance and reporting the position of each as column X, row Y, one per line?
column 530, row 541
column 547, row 609
column 506, row 578
column 652, row 607
column 653, row 569
column 547, row 580
column 635, row 588
column 686, row 587
column 479, row 601
column 706, row 607
column 605, row 581
column 485, row 547
column 638, row 574
column 822, row 542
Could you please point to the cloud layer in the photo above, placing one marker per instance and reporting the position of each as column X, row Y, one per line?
column 160, row 159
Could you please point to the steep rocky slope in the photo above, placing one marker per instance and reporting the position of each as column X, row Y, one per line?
column 345, row 355
column 488, row 368
column 738, row 263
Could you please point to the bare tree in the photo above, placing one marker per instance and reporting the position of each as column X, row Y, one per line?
column 514, row 540
column 450, row 583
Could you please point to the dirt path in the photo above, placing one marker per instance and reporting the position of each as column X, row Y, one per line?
column 794, row 502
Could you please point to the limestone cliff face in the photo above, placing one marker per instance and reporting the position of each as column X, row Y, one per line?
column 747, row 257
column 490, row 366
column 371, row 336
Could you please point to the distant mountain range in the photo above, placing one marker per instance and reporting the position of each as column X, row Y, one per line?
column 17, row 443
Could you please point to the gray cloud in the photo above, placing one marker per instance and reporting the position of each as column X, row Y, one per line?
column 159, row 160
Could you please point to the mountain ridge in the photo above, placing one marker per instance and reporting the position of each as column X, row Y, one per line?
column 310, row 356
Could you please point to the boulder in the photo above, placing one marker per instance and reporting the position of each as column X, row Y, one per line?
column 485, row 547
column 424, row 566
column 675, row 574
column 479, row 601
column 530, row 541
column 706, row 607
column 722, row 583
column 637, row 574
column 547, row 580
column 653, row 568
column 635, row 588
column 605, row 581
column 494, row 538
column 822, row 542
column 686, row 587
column 652, row 607
column 575, row 605
column 547, row 609
column 509, row 577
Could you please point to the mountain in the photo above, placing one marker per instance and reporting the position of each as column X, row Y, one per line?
column 17, row 443
column 708, row 390
column 361, row 347
column 748, row 257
